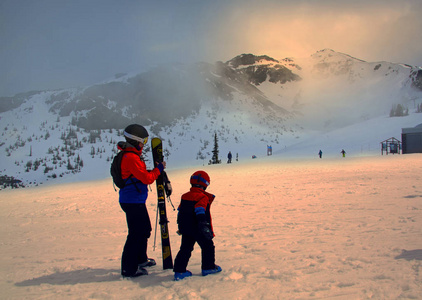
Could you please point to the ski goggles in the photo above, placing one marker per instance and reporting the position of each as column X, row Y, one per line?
column 136, row 138
column 199, row 178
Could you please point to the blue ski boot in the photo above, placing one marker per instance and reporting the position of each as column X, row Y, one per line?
column 217, row 269
column 179, row 276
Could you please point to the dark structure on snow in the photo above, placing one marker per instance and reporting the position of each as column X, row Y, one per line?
column 412, row 139
column 392, row 145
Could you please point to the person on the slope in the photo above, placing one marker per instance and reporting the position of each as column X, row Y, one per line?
column 229, row 157
column 195, row 226
column 132, row 198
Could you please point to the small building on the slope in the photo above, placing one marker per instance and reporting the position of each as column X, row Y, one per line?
column 392, row 145
column 412, row 139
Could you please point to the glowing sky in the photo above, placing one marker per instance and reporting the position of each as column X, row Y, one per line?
column 48, row 44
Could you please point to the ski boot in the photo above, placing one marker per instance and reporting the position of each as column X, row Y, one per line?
column 179, row 276
column 217, row 269
column 149, row 263
column 139, row 272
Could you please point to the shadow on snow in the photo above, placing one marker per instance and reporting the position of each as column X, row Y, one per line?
column 410, row 255
column 89, row 275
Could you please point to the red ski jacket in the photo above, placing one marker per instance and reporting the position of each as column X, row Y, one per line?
column 138, row 178
column 194, row 205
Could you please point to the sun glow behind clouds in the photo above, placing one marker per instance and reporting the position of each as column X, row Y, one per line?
column 107, row 37
column 369, row 32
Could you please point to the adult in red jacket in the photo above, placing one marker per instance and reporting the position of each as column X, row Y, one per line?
column 132, row 198
column 195, row 226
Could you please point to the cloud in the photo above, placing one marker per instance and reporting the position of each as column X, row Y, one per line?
column 371, row 31
column 58, row 43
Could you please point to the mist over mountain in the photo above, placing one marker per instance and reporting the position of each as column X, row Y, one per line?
column 250, row 101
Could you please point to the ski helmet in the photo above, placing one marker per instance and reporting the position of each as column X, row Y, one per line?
column 200, row 178
column 136, row 134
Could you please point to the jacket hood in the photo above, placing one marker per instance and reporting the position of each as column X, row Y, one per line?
column 200, row 190
column 125, row 146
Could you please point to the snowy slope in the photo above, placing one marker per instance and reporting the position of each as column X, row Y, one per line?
column 361, row 139
column 288, row 226
column 312, row 229
column 337, row 90
column 339, row 102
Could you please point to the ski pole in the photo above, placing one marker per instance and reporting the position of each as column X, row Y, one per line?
column 168, row 198
column 155, row 232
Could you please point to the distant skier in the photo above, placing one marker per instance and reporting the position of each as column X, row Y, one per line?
column 229, row 158
column 320, row 154
column 195, row 226
column 269, row 150
column 343, row 152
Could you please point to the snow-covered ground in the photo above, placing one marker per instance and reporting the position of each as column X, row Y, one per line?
column 361, row 139
column 330, row 228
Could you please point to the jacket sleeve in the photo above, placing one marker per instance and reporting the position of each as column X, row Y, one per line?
column 204, row 221
column 201, row 206
column 132, row 164
column 203, row 203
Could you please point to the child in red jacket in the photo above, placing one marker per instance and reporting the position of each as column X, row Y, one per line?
column 195, row 226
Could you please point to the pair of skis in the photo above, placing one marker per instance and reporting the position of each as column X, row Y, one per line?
column 157, row 156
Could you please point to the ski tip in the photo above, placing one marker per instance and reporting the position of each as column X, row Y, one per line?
column 155, row 142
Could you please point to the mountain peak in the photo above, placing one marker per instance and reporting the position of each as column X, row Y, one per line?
column 250, row 59
column 326, row 50
column 330, row 53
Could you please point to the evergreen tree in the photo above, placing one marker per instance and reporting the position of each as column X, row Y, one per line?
column 28, row 166
column 399, row 110
column 215, row 159
column 69, row 165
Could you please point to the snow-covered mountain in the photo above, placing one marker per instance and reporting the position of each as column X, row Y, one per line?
column 298, row 106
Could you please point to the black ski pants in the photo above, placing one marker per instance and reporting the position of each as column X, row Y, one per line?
column 185, row 252
column 139, row 230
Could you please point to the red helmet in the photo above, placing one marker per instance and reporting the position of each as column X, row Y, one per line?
column 200, row 178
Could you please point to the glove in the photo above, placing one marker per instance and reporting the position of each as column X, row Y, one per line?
column 167, row 185
column 160, row 167
column 205, row 231
column 168, row 189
